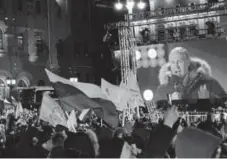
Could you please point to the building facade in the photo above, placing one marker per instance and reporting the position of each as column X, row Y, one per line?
column 29, row 32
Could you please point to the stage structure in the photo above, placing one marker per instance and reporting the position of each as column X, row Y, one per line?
column 165, row 25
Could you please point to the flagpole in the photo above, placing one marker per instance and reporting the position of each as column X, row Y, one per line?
column 123, row 118
column 138, row 111
column 49, row 32
column 101, row 122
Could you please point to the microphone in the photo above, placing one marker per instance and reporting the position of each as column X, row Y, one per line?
column 189, row 87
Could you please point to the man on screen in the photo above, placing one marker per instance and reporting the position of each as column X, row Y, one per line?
column 187, row 78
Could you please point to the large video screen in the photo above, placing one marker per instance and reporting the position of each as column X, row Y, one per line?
column 213, row 51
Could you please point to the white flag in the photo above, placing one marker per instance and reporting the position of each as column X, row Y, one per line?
column 91, row 90
column 83, row 114
column 119, row 96
column 6, row 101
column 126, row 151
column 135, row 94
column 51, row 111
column 72, row 121
column 19, row 110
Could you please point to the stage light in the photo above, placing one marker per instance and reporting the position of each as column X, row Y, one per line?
column 148, row 95
column 143, row 55
column 138, row 64
column 145, row 63
column 152, row 53
column 153, row 63
column 118, row 5
column 161, row 52
column 138, row 55
column 161, row 62
column 130, row 4
column 74, row 79
column 141, row 5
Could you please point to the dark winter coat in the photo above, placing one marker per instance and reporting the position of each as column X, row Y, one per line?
column 199, row 75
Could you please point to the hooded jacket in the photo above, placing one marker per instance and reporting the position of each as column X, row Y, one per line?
column 199, row 74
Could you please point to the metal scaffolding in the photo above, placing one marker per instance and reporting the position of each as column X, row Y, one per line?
column 127, row 39
column 128, row 59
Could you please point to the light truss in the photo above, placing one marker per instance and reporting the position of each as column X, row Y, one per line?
column 170, row 15
column 128, row 40
column 220, row 8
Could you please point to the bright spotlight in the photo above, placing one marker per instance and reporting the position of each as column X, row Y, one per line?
column 73, row 79
column 148, row 95
column 130, row 4
column 141, row 5
column 152, row 53
column 118, row 5
column 138, row 55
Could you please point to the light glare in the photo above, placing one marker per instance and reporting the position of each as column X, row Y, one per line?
column 130, row 5
column 152, row 53
column 118, row 5
column 141, row 5
column 138, row 55
column 148, row 95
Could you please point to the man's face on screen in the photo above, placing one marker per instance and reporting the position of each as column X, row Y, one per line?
column 179, row 64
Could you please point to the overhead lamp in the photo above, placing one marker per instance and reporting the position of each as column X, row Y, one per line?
column 118, row 5
column 74, row 79
column 141, row 5
column 11, row 82
column 130, row 4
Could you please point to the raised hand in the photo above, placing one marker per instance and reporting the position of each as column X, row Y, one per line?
column 171, row 116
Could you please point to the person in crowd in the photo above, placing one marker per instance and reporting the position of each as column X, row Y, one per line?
column 163, row 135
column 184, row 77
column 58, row 140
column 120, row 133
column 210, row 125
column 85, row 142
column 61, row 129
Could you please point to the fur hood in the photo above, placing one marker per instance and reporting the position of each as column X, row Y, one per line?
column 197, row 65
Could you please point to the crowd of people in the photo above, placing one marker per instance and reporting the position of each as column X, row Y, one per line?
column 25, row 135
column 29, row 137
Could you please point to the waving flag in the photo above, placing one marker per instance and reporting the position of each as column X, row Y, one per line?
column 51, row 112
column 119, row 96
column 110, row 112
column 19, row 110
column 72, row 121
column 91, row 90
column 72, row 98
column 83, row 114
column 133, row 87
